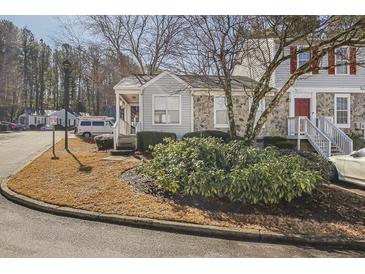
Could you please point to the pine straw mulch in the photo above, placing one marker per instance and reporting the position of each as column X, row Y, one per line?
column 82, row 179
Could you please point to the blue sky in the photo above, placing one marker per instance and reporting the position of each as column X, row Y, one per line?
column 42, row 26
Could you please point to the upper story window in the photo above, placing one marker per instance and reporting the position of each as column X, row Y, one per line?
column 341, row 60
column 303, row 57
column 166, row 110
column 220, row 112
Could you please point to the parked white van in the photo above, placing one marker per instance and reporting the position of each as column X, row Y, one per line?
column 94, row 125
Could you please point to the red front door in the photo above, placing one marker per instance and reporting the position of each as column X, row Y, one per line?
column 302, row 107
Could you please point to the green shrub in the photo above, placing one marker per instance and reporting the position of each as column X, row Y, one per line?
column 273, row 178
column 272, row 140
column 357, row 141
column 104, row 141
column 209, row 168
column 59, row 127
column 145, row 139
column 288, row 144
column 208, row 133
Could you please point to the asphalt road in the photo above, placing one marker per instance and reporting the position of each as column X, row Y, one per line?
column 29, row 233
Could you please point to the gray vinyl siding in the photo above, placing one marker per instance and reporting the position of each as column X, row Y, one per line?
column 167, row 85
column 323, row 79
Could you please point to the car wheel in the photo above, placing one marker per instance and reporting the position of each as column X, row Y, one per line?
column 86, row 135
column 333, row 176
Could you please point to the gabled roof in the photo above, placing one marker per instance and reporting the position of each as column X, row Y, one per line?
column 212, row 82
column 195, row 81
column 134, row 81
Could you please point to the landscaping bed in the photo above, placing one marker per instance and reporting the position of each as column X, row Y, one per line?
column 83, row 179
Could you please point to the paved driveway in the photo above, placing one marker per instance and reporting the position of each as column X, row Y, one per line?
column 29, row 233
column 17, row 148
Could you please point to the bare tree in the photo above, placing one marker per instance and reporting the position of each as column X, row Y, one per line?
column 148, row 40
column 213, row 46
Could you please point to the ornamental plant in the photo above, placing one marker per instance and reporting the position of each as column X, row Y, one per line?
column 208, row 167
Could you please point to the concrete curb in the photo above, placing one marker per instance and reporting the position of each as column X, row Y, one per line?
column 184, row 228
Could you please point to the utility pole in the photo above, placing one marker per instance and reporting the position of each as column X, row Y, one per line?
column 66, row 69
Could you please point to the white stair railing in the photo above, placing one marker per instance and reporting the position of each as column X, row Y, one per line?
column 303, row 127
column 320, row 142
column 116, row 134
column 336, row 135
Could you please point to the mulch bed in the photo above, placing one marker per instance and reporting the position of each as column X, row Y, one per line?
column 326, row 204
column 81, row 178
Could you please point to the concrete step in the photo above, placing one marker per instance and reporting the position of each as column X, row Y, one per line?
column 123, row 152
column 127, row 142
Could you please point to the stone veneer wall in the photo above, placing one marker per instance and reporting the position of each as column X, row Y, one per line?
column 204, row 115
column 326, row 105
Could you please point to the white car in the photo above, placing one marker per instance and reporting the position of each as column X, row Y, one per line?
column 351, row 168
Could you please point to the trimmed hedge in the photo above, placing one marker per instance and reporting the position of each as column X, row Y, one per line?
column 208, row 133
column 145, row 139
column 104, row 141
column 279, row 142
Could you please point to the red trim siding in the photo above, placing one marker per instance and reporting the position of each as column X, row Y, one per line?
column 293, row 59
column 331, row 62
column 352, row 61
column 315, row 64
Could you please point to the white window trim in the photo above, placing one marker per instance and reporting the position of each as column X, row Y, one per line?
column 153, row 109
column 348, row 65
column 348, row 96
column 310, row 53
column 250, row 103
column 215, row 116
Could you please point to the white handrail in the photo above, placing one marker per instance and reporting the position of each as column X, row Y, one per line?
column 320, row 142
column 116, row 134
column 306, row 128
column 337, row 136
column 138, row 126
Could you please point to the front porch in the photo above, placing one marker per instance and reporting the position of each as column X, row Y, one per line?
column 127, row 124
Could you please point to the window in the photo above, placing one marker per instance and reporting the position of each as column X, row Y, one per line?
column 220, row 112
column 342, row 57
column 85, row 123
column 98, row 123
column 303, row 57
column 342, row 110
column 166, row 110
column 260, row 110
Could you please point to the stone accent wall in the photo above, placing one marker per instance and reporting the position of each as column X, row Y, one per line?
column 204, row 115
column 326, row 105
column 277, row 122
column 203, row 112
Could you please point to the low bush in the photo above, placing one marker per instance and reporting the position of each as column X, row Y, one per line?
column 315, row 162
column 209, row 133
column 104, row 141
column 269, row 140
column 59, row 127
column 357, row 141
column 209, row 168
column 145, row 139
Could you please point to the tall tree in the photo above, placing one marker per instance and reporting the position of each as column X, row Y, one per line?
column 318, row 35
